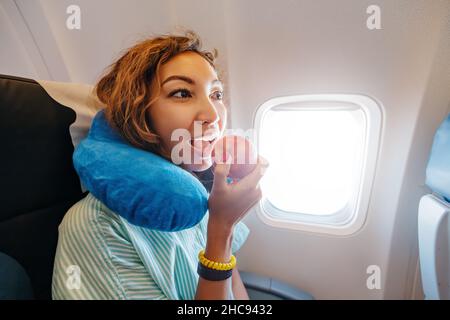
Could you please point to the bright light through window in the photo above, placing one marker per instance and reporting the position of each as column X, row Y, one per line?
column 315, row 158
column 323, row 151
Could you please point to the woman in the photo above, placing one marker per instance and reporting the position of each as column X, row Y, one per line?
column 158, row 86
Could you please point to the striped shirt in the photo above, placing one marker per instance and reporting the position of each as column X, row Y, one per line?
column 102, row 256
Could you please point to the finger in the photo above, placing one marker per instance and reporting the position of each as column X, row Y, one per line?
column 251, row 180
column 259, row 193
column 221, row 172
column 256, row 196
column 263, row 161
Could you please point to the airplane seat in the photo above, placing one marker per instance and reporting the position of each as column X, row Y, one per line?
column 433, row 219
column 39, row 183
column 14, row 281
column 39, row 129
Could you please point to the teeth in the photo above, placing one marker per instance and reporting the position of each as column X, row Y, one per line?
column 200, row 144
column 205, row 138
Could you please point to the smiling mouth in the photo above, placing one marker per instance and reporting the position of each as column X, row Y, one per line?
column 203, row 147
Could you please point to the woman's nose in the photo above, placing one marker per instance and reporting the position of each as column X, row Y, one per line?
column 208, row 112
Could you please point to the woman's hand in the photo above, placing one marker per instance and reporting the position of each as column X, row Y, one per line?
column 228, row 203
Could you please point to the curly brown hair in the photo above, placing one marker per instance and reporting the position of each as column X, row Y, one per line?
column 127, row 88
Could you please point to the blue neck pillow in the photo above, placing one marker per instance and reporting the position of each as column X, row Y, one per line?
column 142, row 187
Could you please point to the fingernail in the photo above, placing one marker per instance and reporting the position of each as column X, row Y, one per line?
column 265, row 163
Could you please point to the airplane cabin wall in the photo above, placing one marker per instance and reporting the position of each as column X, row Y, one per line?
column 435, row 106
column 13, row 56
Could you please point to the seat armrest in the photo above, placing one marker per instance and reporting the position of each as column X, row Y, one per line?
column 270, row 286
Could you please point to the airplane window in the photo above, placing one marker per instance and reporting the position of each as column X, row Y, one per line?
column 315, row 155
column 318, row 150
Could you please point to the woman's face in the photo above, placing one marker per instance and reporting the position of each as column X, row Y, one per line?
column 190, row 97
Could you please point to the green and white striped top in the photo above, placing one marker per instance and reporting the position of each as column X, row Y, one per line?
column 102, row 256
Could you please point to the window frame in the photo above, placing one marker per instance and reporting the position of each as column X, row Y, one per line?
column 346, row 221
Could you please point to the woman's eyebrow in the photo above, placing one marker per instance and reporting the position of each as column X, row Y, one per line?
column 217, row 81
column 177, row 77
column 186, row 79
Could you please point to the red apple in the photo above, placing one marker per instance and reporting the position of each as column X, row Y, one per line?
column 242, row 151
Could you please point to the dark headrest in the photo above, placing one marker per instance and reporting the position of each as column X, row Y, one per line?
column 36, row 162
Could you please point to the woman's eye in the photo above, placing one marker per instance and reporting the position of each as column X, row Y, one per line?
column 181, row 94
column 218, row 95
